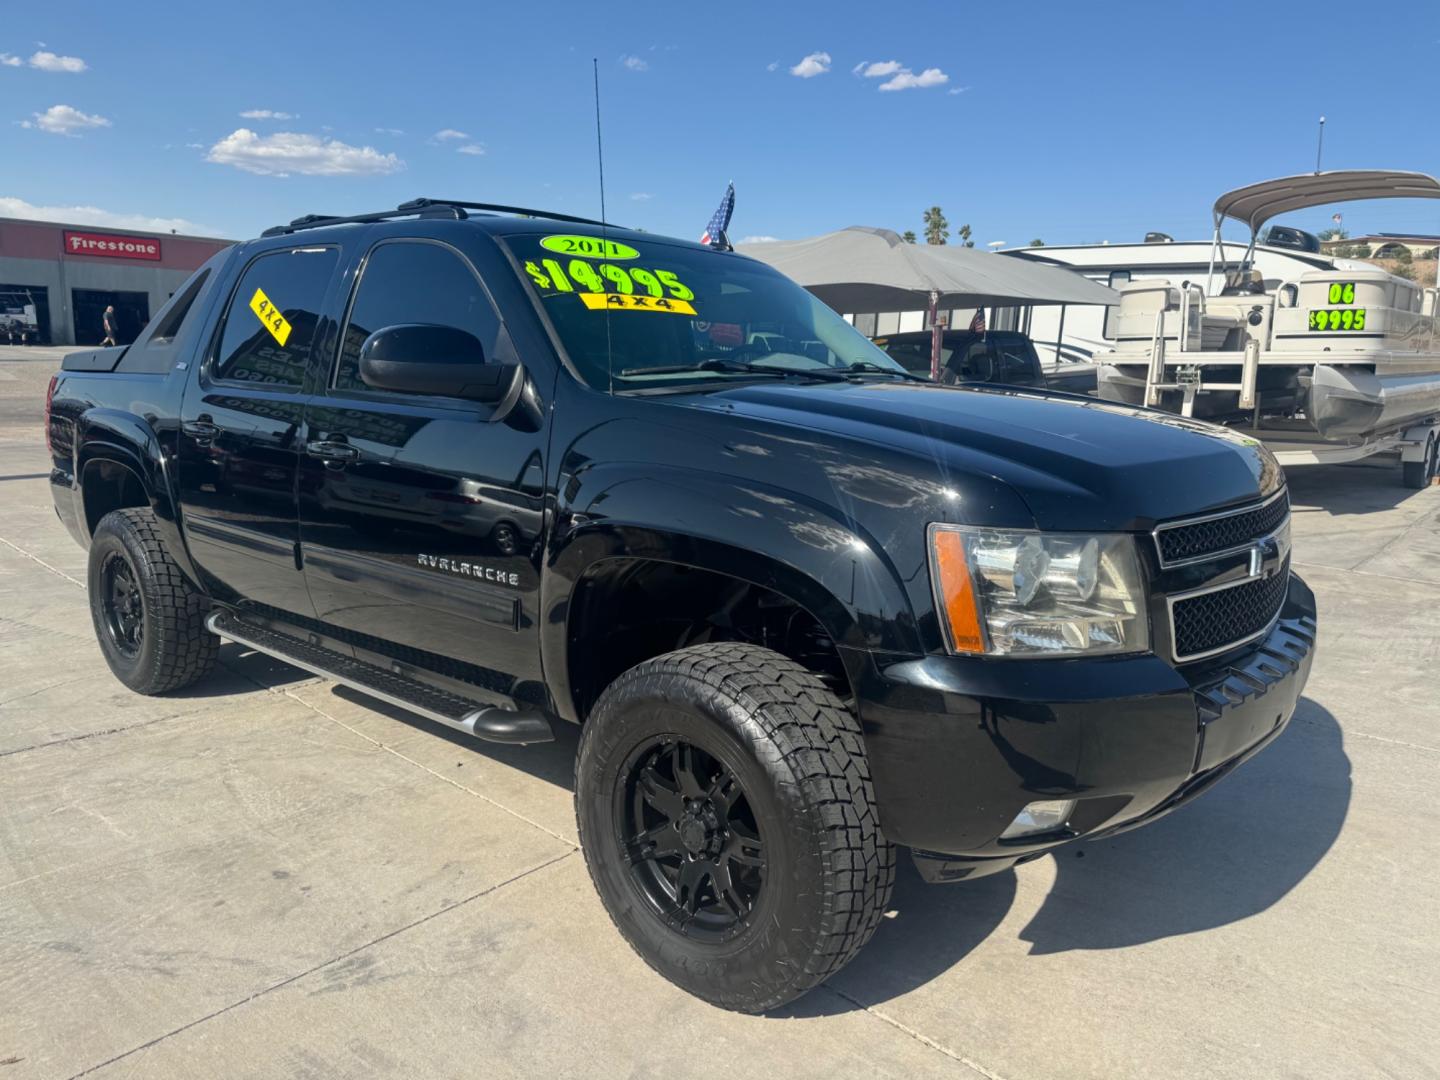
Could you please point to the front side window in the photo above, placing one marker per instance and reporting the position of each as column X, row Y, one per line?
column 642, row 314
column 273, row 316
column 414, row 281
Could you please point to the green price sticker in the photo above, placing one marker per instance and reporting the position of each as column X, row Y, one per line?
column 590, row 247
column 1329, row 320
column 551, row 278
column 1342, row 292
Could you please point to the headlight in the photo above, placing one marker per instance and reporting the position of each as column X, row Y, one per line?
column 1009, row 592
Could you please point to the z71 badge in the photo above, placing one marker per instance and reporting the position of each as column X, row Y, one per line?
column 471, row 570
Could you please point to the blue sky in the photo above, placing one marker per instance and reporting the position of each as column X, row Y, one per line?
column 1070, row 122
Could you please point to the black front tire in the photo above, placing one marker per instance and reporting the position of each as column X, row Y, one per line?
column 797, row 757
column 149, row 620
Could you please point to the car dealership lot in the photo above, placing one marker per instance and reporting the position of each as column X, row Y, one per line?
column 266, row 875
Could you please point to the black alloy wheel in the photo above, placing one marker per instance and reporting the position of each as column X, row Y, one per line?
column 123, row 605
column 728, row 820
column 149, row 619
column 690, row 837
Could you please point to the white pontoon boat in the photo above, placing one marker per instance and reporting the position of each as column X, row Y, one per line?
column 1332, row 364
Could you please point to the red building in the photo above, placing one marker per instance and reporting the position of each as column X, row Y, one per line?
column 56, row 280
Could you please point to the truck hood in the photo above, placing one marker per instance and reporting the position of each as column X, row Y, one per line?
column 1077, row 463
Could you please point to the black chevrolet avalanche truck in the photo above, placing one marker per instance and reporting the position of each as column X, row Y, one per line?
column 512, row 469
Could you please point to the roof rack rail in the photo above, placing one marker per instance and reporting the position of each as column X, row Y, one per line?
column 422, row 207
column 319, row 221
column 523, row 211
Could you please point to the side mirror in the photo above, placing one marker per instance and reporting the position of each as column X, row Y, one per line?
column 422, row 358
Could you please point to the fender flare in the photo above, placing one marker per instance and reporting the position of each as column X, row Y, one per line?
column 111, row 435
column 753, row 533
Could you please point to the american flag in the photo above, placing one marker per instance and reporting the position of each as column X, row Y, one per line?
column 720, row 222
column 977, row 324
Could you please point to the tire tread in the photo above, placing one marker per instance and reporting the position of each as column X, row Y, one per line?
column 821, row 745
column 185, row 650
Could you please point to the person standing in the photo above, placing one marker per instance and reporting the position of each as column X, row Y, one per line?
column 112, row 327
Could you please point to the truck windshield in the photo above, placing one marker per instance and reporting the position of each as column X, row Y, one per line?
column 648, row 314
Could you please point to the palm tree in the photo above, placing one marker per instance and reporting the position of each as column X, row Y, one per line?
column 908, row 236
column 964, row 235
column 1037, row 242
column 936, row 227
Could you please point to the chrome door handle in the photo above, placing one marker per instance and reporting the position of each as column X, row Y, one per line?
column 201, row 430
column 332, row 453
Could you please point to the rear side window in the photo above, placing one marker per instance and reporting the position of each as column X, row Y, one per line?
column 273, row 316
column 414, row 281
column 170, row 324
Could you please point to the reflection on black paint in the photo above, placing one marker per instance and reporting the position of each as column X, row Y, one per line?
column 434, row 529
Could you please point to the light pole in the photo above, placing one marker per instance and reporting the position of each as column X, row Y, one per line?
column 1320, row 144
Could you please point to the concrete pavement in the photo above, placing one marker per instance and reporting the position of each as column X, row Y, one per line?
column 270, row 876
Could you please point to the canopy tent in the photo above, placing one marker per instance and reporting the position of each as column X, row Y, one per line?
column 1255, row 204
column 861, row 269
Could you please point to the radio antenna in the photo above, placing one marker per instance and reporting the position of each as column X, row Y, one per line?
column 599, row 144
column 604, row 226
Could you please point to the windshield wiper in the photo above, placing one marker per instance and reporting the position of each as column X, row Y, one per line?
column 868, row 366
column 739, row 367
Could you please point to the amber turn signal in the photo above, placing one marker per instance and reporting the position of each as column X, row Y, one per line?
column 956, row 591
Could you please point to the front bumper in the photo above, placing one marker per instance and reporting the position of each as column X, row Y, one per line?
column 959, row 745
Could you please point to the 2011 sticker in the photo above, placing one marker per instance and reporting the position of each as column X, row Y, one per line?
column 589, row 247
column 270, row 317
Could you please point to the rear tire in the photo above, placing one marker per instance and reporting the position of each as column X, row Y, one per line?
column 149, row 620
column 1416, row 474
column 728, row 821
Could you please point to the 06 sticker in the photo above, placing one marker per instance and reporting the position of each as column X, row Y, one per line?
column 270, row 315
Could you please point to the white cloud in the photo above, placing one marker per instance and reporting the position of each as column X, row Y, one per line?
column 268, row 114
column 194, row 146
column 388, row 131
column 761, row 240
column 6, row 60
column 93, row 215
column 634, row 63
column 63, row 120
column 773, row 65
column 817, row 63
column 642, row 196
column 48, row 61
column 957, row 90
column 474, row 149
column 908, row 80
column 449, row 133
column 310, row 155
column 879, row 69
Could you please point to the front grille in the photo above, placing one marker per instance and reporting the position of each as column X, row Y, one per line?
column 1211, row 535
column 1212, row 621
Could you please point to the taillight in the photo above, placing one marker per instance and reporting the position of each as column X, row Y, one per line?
column 49, row 398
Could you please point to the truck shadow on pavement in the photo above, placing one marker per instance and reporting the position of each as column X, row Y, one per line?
column 1231, row 854
column 552, row 762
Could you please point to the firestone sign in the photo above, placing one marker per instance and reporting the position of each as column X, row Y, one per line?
column 111, row 246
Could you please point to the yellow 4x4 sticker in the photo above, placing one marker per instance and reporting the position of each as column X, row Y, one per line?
column 635, row 302
column 270, row 315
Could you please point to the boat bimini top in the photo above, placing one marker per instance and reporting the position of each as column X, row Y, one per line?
column 1255, row 204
